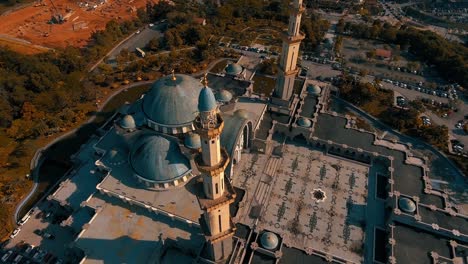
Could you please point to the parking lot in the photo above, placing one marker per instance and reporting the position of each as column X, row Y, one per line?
column 439, row 98
column 43, row 235
column 139, row 40
column 449, row 120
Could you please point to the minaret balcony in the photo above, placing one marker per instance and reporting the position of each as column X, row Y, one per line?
column 209, row 130
column 228, row 197
column 293, row 11
column 292, row 39
column 216, row 169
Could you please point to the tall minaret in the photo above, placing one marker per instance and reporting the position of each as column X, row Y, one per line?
column 218, row 193
column 291, row 42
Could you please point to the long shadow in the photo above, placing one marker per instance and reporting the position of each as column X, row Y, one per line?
column 56, row 158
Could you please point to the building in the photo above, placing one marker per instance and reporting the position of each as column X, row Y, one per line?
column 208, row 171
column 383, row 54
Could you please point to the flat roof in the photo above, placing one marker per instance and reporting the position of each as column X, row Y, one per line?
column 415, row 246
column 180, row 201
column 256, row 107
column 122, row 233
column 80, row 186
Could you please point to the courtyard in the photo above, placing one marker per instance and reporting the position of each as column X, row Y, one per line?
column 315, row 202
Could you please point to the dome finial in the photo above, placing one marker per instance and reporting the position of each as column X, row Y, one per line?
column 205, row 79
column 173, row 75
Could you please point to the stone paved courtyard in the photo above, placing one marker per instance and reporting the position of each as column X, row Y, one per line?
column 332, row 226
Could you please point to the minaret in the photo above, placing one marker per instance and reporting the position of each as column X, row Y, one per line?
column 287, row 65
column 217, row 193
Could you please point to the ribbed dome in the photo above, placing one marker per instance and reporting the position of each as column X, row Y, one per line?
column 128, row 122
column 233, row 69
column 192, row 141
column 304, row 122
column 158, row 159
column 173, row 102
column 406, row 205
column 314, row 89
column 206, row 100
column 269, row 240
column 224, row 96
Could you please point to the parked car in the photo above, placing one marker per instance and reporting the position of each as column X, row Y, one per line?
column 15, row 232
column 29, row 249
column 7, row 255
column 48, row 235
column 18, row 259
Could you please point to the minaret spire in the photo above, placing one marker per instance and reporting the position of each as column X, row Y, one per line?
column 291, row 42
column 217, row 193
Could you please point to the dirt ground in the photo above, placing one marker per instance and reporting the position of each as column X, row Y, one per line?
column 31, row 23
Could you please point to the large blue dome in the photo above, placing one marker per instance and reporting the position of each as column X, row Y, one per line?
column 206, row 100
column 173, row 101
column 158, row 159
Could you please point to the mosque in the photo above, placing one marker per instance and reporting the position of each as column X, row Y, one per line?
column 208, row 171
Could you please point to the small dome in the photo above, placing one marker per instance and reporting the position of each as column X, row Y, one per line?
column 115, row 157
column 233, row 69
column 158, row 159
column 242, row 113
column 304, row 122
column 224, row 96
column 314, row 89
column 406, row 205
column 192, row 141
column 173, row 101
column 128, row 122
column 269, row 240
column 206, row 100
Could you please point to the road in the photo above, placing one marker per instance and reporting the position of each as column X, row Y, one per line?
column 138, row 40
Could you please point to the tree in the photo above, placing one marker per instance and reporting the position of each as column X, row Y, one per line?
column 153, row 44
column 159, row 10
column 6, row 112
column 268, row 66
column 340, row 26
column 370, row 54
column 143, row 15
column 173, row 38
